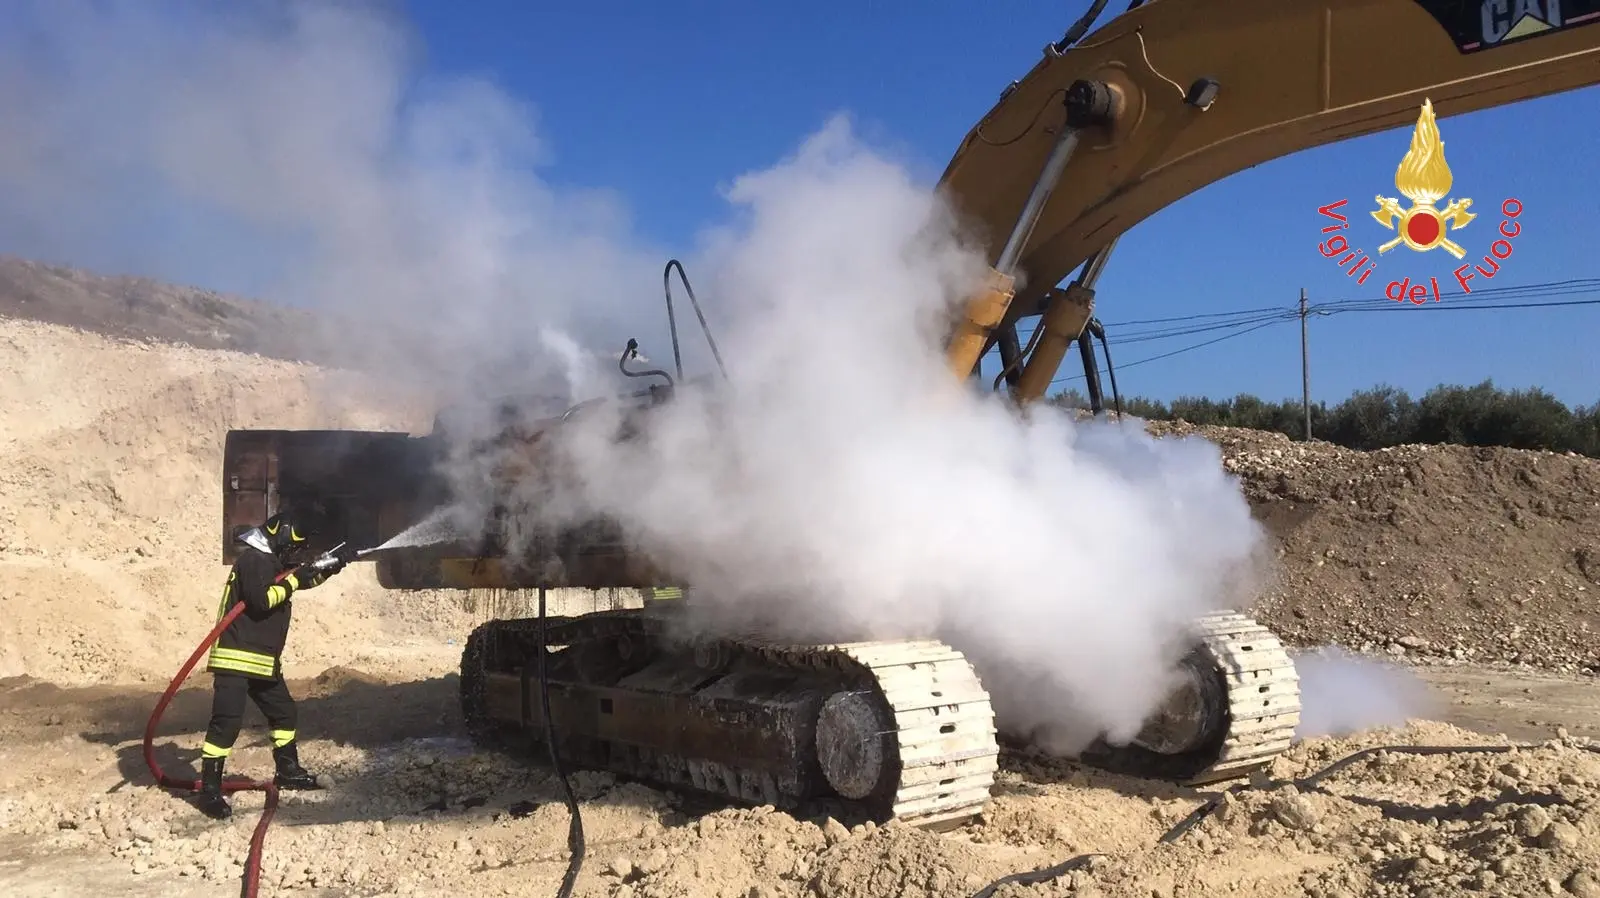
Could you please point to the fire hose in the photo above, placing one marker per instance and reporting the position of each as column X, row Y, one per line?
column 252, row 866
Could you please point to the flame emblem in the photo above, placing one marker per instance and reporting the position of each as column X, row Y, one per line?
column 1424, row 178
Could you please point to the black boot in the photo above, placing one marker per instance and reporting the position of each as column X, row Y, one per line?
column 290, row 774
column 212, row 802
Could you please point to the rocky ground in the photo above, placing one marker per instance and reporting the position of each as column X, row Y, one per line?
column 1434, row 553
column 1474, row 568
column 414, row 811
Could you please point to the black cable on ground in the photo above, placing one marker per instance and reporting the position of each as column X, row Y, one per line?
column 575, row 844
column 1034, row 877
column 1311, row 783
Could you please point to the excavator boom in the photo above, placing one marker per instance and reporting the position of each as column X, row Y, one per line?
column 1279, row 77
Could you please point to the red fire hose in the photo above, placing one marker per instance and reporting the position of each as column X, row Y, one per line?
column 252, row 866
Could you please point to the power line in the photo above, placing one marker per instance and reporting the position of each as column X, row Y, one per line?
column 1191, row 348
column 1245, row 321
column 1125, row 337
column 1140, row 337
column 1198, row 316
column 1458, row 307
column 1488, row 298
column 1487, row 294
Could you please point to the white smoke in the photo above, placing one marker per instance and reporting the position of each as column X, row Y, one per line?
column 1342, row 693
column 295, row 148
column 844, row 481
column 846, row 477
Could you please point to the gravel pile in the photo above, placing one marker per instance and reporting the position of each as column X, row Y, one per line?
column 1432, row 553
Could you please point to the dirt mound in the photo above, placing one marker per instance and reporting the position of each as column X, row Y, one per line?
column 110, row 559
column 1428, row 552
column 142, row 309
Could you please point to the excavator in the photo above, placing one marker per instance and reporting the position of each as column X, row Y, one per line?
column 1109, row 127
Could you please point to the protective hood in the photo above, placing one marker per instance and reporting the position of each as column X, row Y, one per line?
column 256, row 538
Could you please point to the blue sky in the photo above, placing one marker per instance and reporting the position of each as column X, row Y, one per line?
column 667, row 101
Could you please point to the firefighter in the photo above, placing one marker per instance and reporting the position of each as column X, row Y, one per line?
column 245, row 661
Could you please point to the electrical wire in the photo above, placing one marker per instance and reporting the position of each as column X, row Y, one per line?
column 1243, row 321
column 1484, row 294
column 1190, row 348
column 1311, row 783
column 1166, row 333
column 1032, row 123
column 1461, row 307
column 1202, row 315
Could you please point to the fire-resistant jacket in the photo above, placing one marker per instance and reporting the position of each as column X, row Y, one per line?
column 253, row 643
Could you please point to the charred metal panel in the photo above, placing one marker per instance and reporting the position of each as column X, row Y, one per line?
column 728, row 725
column 370, row 484
column 249, row 485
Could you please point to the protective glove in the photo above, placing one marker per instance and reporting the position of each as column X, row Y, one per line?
column 309, row 576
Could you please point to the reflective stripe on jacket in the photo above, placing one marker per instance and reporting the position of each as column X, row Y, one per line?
column 252, row 644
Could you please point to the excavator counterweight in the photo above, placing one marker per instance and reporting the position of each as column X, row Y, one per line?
column 1108, row 128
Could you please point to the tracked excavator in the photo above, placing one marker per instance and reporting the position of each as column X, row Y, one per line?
column 1109, row 127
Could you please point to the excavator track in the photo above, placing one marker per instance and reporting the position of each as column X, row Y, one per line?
column 897, row 730
column 1263, row 695
column 1248, row 692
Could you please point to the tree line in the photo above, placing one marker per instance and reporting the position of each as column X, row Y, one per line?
column 1482, row 415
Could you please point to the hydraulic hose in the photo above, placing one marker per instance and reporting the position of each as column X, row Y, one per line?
column 1111, row 370
column 252, row 866
column 575, row 844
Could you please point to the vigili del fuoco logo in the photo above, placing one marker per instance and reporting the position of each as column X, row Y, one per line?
column 1424, row 179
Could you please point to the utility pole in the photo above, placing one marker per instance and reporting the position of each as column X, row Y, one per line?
column 1305, row 365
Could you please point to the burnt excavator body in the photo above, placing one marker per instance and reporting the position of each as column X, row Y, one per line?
column 1107, row 129
column 897, row 729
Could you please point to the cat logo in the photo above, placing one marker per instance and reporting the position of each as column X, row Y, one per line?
column 1478, row 25
column 1506, row 21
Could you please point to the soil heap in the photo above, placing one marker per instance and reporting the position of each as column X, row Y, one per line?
column 1428, row 552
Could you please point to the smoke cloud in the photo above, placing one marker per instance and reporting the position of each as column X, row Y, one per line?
column 845, row 484
column 840, row 484
column 1342, row 693
column 296, row 151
